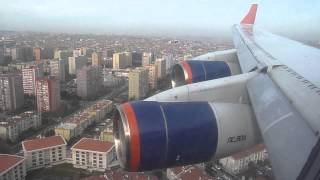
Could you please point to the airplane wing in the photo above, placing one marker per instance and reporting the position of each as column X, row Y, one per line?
column 285, row 95
column 224, row 102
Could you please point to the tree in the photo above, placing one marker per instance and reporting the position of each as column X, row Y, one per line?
column 49, row 133
column 4, row 147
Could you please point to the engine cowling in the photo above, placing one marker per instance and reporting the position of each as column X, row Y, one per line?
column 229, row 89
column 154, row 135
column 193, row 71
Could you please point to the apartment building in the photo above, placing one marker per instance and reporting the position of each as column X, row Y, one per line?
column 138, row 83
column 122, row 60
column 48, row 94
column 93, row 154
column 29, row 75
column 12, row 167
column 11, row 91
column 44, row 152
column 239, row 162
column 75, row 124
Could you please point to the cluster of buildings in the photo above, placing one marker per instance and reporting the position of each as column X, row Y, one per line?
column 90, row 154
column 239, row 162
column 75, row 124
column 143, row 79
column 44, row 69
column 12, row 127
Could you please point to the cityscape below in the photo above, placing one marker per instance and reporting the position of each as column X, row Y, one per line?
column 58, row 99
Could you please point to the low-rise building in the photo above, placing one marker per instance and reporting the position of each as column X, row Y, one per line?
column 93, row 154
column 239, row 162
column 100, row 109
column 66, row 130
column 106, row 136
column 44, row 152
column 12, row 127
column 12, row 167
column 75, row 124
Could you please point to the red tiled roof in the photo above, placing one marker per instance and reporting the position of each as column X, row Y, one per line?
column 93, row 145
column 191, row 173
column 7, row 161
column 247, row 152
column 42, row 143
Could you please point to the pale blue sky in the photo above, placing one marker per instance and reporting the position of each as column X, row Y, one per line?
column 159, row 17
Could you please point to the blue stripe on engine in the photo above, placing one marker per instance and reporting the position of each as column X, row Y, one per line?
column 208, row 70
column 152, row 134
column 192, row 132
column 198, row 73
column 216, row 69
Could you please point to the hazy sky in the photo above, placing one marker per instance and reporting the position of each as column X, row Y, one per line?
column 159, row 17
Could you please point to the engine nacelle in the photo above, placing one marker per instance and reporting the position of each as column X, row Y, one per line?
column 213, row 66
column 229, row 89
column 154, row 135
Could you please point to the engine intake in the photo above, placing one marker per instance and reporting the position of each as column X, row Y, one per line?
column 154, row 135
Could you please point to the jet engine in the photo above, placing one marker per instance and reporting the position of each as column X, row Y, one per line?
column 154, row 135
column 213, row 66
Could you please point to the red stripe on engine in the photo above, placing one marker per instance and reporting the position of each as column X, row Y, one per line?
column 135, row 139
column 187, row 68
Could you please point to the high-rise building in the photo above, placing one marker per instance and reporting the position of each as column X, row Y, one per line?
column 5, row 50
column 122, row 60
column 11, row 91
column 57, row 68
column 62, row 54
column 96, row 58
column 37, row 54
column 153, row 80
column 47, row 53
column 76, row 63
column 147, row 59
column 48, row 94
column 138, row 83
column 83, row 51
column 77, row 52
column 29, row 75
column 136, row 59
column 169, row 63
column 24, row 54
column 161, row 67
column 89, row 81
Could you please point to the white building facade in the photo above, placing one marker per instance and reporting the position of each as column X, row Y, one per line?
column 239, row 162
column 44, row 152
column 94, row 155
column 12, row 167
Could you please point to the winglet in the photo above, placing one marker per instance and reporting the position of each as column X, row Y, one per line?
column 251, row 16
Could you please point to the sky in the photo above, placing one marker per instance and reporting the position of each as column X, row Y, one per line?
column 158, row 17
